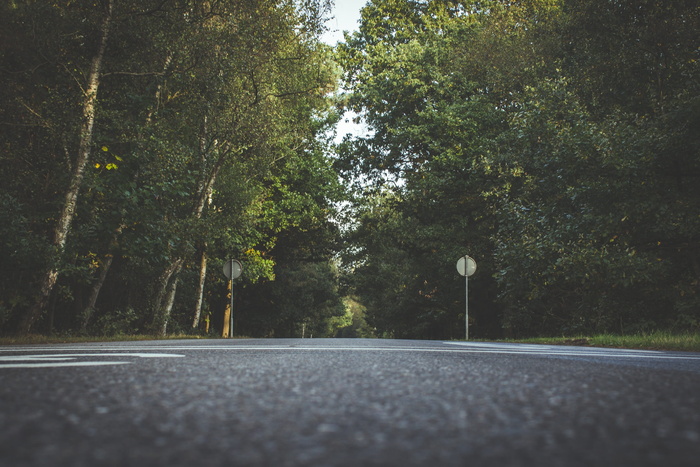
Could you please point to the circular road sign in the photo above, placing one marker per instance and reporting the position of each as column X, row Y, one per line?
column 233, row 269
column 466, row 266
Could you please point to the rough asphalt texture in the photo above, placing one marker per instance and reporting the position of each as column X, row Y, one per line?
column 320, row 403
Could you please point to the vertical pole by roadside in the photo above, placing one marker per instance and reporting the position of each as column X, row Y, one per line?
column 230, row 327
column 466, row 266
column 466, row 307
column 226, row 331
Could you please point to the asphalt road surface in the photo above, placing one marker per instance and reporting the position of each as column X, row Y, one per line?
column 346, row 402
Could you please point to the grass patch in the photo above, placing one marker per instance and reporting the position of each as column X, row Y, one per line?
column 34, row 339
column 651, row 341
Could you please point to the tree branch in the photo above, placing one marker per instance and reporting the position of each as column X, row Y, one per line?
column 130, row 73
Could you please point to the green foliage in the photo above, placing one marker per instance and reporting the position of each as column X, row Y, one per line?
column 22, row 251
column 304, row 295
column 117, row 322
column 658, row 340
column 555, row 141
column 303, row 299
column 538, row 138
column 207, row 138
column 353, row 323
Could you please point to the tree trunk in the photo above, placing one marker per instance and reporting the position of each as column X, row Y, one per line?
column 68, row 212
column 226, row 328
column 167, row 310
column 90, row 308
column 160, row 306
column 200, row 287
column 97, row 287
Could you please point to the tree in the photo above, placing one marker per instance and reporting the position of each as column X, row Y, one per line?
column 304, row 296
column 266, row 82
column 538, row 134
column 213, row 89
column 595, row 216
column 65, row 76
column 433, row 116
column 88, row 103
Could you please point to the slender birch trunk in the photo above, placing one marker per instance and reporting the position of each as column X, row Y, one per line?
column 162, row 303
column 89, row 309
column 200, row 287
column 172, row 288
column 71, row 199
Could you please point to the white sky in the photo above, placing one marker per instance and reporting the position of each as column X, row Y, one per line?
column 346, row 16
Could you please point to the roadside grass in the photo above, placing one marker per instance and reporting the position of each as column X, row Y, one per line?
column 651, row 341
column 34, row 339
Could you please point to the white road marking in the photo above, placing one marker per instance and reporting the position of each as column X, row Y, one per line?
column 528, row 349
column 59, row 364
column 68, row 360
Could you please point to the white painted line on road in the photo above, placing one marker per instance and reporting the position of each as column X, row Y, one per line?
column 494, row 345
column 74, row 355
column 529, row 347
column 66, row 360
column 58, row 364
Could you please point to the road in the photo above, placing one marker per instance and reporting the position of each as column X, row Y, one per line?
column 346, row 402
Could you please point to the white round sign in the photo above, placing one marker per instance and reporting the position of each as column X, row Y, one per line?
column 466, row 266
column 233, row 269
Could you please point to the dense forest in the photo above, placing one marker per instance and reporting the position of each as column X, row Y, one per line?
column 146, row 142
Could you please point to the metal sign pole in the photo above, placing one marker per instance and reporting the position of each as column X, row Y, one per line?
column 466, row 266
column 230, row 326
column 466, row 307
column 232, row 270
